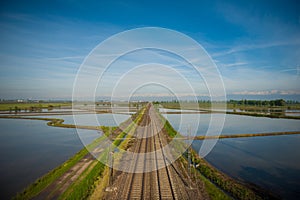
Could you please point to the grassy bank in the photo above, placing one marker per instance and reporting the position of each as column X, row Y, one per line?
column 123, row 141
column 245, row 105
column 90, row 178
column 272, row 115
column 84, row 185
column 202, row 137
column 215, row 181
column 41, row 183
column 54, row 122
column 96, row 177
column 212, row 190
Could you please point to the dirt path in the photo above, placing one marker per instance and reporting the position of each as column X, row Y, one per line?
column 60, row 185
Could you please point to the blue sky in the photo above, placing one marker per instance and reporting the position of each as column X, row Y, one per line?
column 255, row 44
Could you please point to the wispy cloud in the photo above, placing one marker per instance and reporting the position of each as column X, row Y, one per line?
column 66, row 58
column 234, row 64
column 44, row 51
column 256, row 45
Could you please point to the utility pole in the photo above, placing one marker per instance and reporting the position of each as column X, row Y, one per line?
column 111, row 167
column 110, row 160
column 110, row 155
column 189, row 155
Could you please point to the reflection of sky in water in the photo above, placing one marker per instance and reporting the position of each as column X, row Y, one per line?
column 177, row 110
column 293, row 114
column 234, row 124
column 30, row 148
column 106, row 119
column 270, row 162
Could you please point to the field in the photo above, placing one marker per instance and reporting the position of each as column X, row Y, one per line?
column 268, row 109
column 28, row 106
column 95, row 178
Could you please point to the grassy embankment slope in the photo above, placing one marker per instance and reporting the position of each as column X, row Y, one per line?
column 93, row 182
column 217, row 184
column 95, row 178
column 202, row 137
column 212, row 190
column 91, row 177
column 41, row 183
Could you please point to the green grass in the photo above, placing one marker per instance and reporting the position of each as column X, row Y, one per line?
column 232, row 187
column 85, row 183
column 218, row 180
column 256, row 109
column 46, row 180
column 214, row 192
column 273, row 115
column 41, row 183
column 84, row 186
column 202, row 137
column 54, row 122
column 207, row 105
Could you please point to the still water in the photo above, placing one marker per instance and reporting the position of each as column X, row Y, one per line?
column 270, row 162
column 106, row 119
column 234, row 124
column 30, row 148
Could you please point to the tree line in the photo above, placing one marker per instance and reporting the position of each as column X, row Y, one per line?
column 277, row 102
column 244, row 102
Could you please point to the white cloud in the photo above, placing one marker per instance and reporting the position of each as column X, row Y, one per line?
column 234, row 64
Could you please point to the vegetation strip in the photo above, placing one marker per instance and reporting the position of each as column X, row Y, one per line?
column 203, row 137
column 222, row 181
column 263, row 115
column 258, row 107
column 15, row 106
column 212, row 190
column 54, row 122
column 46, row 180
column 85, row 184
column 92, row 178
column 43, row 182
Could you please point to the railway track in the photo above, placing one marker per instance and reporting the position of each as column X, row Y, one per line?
column 151, row 175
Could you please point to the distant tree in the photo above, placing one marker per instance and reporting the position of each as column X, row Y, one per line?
column 50, row 107
column 259, row 103
column 279, row 102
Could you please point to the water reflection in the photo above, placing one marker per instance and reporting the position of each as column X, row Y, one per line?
column 30, row 148
column 234, row 124
column 269, row 162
